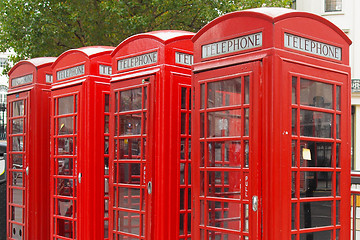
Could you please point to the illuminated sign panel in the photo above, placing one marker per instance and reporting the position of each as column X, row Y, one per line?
column 232, row 45
column 22, row 80
column 311, row 46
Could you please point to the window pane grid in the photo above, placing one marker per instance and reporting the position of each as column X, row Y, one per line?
column 314, row 161
column 224, row 204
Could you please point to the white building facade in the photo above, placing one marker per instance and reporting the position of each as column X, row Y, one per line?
column 346, row 15
column 3, row 92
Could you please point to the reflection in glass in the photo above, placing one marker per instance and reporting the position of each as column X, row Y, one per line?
column 294, row 87
column 183, row 97
column 316, row 154
column 17, row 143
column 17, row 161
column 65, row 207
column 294, row 121
column 338, row 181
column 202, row 96
column 224, row 215
column 338, row 136
column 316, row 94
column 17, row 196
column 246, row 127
column 247, row 89
column 129, row 198
column 64, row 228
column 65, row 125
column 65, row 166
column 17, row 126
column 293, row 153
column 224, row 123
column 106, row 104
column 17, row 179
column 130, row 99
column 224, row 93
column 224, row 154
column 293, row 185
column 315, row 124
column 17, row 214
column 316, row 184
column 338, row 97
column 18, row 108
column 129, row 222
column 130, row 124
column 293, row 216
column 65, row 146
column 202, row 125
column 338, row 155
column 130, row 148
column 224, row 184
column 315, row 214
column 129, row 173
column 183, row 123
column 65, row 187
column 246, row 157
column 66, row 105
column 322, row 235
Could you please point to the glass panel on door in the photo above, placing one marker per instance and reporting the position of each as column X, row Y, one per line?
column 130, row 187
column 225, row 165
column 316, row 114
column 17, row 168
column 64, row 169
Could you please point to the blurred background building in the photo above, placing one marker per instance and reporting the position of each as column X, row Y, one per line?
column 345, row 15
column 3, row 92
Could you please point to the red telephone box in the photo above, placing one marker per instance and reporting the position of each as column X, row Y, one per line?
column 150, row 137
column 29, row 149
column 79, row 140
column 271, row 127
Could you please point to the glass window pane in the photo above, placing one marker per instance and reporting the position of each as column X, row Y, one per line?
column 17, row 196
column 338, row 129
column 246, row 124
column 17, row 179
column 18, row 108
column 129, row 173
column 224, row 215
column 224, row 154
column 129, row 222
column 338, row 97
column 338, row 162
column 130, row 148
column 224, row 93
column 294, row 216
column 293, row 154
column 315, row 124
column 315, row 214
column 202, row 96
column 106, row 104
column 224, row 123
column 322, row 235
column 247, row 89
column 17, row 126
column 293, row 184
column 66, row 105
column 65, row 146
column 131, row 99
column 65, row 125
column 65, row 208
column 183, row 98
column 17, row 161
column 17, row 144
column 294, row 92
column 316, row 184
column 316, row 154
column 316, row 94
column 130, row 124
column 65, row 166
column 224, row 184
column 64, row 228
column 294, row 121
column 129, row 198
column 17, row 214
column 65, row 187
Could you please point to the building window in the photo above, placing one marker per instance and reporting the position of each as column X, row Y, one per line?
column 333, row 5
column 3, row 62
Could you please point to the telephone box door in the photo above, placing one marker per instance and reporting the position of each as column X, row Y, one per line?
column 132, row 163
column 18, row 167
column 66, row 175
column 227, row 159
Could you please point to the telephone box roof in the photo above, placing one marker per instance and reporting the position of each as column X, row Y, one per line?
column 272, row 14
column 36, row 62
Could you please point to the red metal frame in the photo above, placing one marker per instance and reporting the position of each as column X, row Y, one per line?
column 160, row 62
column 78, row 136
column 279, row 127
column 28, row 148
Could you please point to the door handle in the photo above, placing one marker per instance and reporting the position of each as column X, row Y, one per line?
column 149, row 187
column 27, row 170
column 255, row 203
column 79, row 177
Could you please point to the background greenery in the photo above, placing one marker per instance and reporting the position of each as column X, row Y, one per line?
column 35, row 28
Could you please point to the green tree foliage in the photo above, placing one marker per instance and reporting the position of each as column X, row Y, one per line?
column 34, row 28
